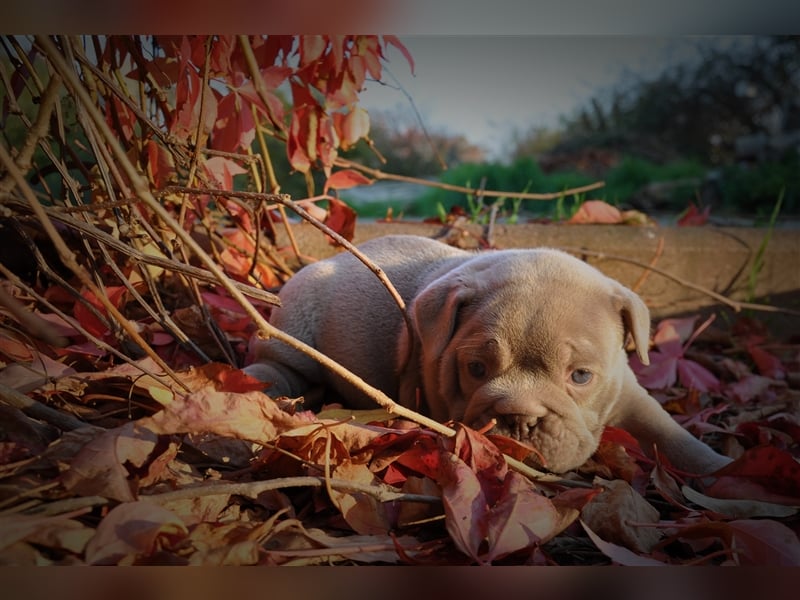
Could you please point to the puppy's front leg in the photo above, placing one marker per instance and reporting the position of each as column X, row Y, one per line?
column 643, row 417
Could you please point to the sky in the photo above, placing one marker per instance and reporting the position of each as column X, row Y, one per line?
column 486, row 86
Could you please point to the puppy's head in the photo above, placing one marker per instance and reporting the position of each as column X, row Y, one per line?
column 534, row 339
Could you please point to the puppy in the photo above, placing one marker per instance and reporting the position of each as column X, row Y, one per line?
column 532, row 338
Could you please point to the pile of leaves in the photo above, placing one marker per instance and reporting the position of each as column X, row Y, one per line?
column 214, row 471
column 139, row 258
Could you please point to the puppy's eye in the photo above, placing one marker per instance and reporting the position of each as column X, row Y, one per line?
column 581, row 376
column 477, row 369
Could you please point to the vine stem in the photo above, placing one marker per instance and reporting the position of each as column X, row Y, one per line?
column 733, row 304
column 378, row 174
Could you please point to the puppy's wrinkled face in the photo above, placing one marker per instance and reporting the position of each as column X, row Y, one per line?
column 543, row 357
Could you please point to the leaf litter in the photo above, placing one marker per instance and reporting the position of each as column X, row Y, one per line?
column 221, row 473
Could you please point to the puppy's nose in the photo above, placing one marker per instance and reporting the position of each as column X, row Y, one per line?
column 519, row 426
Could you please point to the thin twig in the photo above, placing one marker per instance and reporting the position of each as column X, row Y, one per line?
column 36, row 133
column 33, row 324
column 198, row 134
column 284, row 200
column 734, row 304
column 37, row 410
column 149, row 259
column 74, row 322
column 68, row 505
column 68, row 258
column 646, row 273
column 258, row 80
column 378, row 174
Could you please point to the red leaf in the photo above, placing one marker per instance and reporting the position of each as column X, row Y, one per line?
column 484, row 458
column 762, row 473
column 341, row 218
column 159, row 164
column 465, row 505
column 394, row 41
column 301, row 146
column 670, row 334
column 696, row 377
column 11, row 348
column 87, row 319
column 751, row 542
column 521, row 518
column 667, row 363
column 234, row 129
column 345, row 179
column 661, row 373
column 222, row 171
column 596, row 211
column 311, row 48
column 765, row 542
column 423, row 456
column 767, row 364
column 226, row 378
column 693, row 217
column 616, row 435
column 514, row 448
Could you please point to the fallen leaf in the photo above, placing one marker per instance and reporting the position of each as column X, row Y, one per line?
column 596, row 211
column 134, row 530
column 768, row 364
column 620, row 515
column 751, row 542
column 28, row 376
column 521, row 519
column 251, row 416
column 365, row 513
column 57, row 532
column 88, row 320
column 762, row 473
column 737, row 508
column 668, row 363
column 693, row 217
column 620, row 554
column 765, row 542
column 110, row 464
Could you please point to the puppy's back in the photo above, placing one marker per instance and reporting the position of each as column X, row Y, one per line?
column 340, row 307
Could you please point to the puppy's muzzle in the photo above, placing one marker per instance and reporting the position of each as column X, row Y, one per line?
column 518, row 426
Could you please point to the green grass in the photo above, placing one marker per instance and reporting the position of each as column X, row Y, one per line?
column 745, row 190
column 621, row 183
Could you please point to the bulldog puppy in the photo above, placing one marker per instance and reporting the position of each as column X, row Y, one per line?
column 532, row 338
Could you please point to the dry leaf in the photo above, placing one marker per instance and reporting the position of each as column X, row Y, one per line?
column 619, row 515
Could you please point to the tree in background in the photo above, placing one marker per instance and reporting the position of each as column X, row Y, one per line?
column 735, row 109
column 697, row 110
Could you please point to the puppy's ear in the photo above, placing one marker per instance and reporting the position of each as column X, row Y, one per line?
column 636, row 320
column 434, row 312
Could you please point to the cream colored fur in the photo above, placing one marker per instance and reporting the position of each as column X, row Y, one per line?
column 496, row 334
